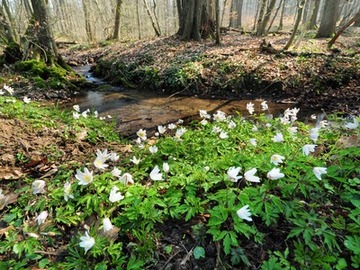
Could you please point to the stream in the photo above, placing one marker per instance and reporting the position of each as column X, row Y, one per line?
column 135, row 109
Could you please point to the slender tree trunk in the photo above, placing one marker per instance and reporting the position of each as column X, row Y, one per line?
column 329, row 18
column 266, row 19
column 260, row 18
column 138, row 19
column 256, row 15
column 305, row 24
column 117, row 20
column 296, row 26
column 153, row 20
column 156, row 16
column 314, row 15
column 217, row 19
column 275, row 15
column 343, row 28
column 281, row 21
column 306, row 10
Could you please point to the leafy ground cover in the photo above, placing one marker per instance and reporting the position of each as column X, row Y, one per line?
column 249, row 191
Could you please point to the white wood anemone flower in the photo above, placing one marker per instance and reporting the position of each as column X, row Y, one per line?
column 250, row 176
column 87, row 242
column 107, row 226
column 278, row 137
column 141, row 133
column 244, row 213
column 40, row 219
column 233, row 172
column 264, row 106
column 275, row 174
column 250, row 107
column 166, row 167
column 318, row 171
column 353, row 125
column 155, row 174
column 85, row 177
column 276, row 159
column 99, row 163
column 308, row 148
column 67, row 191
column 153, row 149
column 126, row 179
column 115, row 196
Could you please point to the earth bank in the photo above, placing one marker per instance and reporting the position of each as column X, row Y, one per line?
column 239, row 69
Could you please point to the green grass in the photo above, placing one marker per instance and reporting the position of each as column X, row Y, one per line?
column 298, row 221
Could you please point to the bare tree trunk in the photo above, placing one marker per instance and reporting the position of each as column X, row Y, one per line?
column 275, row 15
column 223, row 12
column 217, row 19
column 236, row 13
column 117, row 20
column 195, row 20
column 153, row 20
column 281, row 22
column 59, row 7
column 6, row 29
column 305, row 24
column 88, row 28
column 296, row 26
column 138, row 19
column 343, row 28
column 306, row 11
column 260, row 18
column 328, row 21
column 11, row 21
column 43, row 33
column 314, row 15
column 156, row 17
column 256, row 14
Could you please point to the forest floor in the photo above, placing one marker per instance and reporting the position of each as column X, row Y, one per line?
column 308, row 75
column 336, row 72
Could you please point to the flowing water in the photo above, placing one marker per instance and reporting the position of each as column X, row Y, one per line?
column 135, row 109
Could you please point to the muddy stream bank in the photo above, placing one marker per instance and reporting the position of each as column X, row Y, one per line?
column 135, row 109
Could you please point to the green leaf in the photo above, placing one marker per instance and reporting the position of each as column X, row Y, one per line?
column 43, row 263
column 353, row 243
column 10, row 217
column 271, row 264
column 341, row 264
column 199, row 252
column 168, row 249
column 227, row 244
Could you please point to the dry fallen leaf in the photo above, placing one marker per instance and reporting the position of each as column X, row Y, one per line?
column 80, row 136
column 10, row 173
column 346, row 142
column 5, row 230
column 7, row 199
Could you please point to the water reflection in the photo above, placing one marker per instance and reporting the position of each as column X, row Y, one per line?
column 135, row 109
